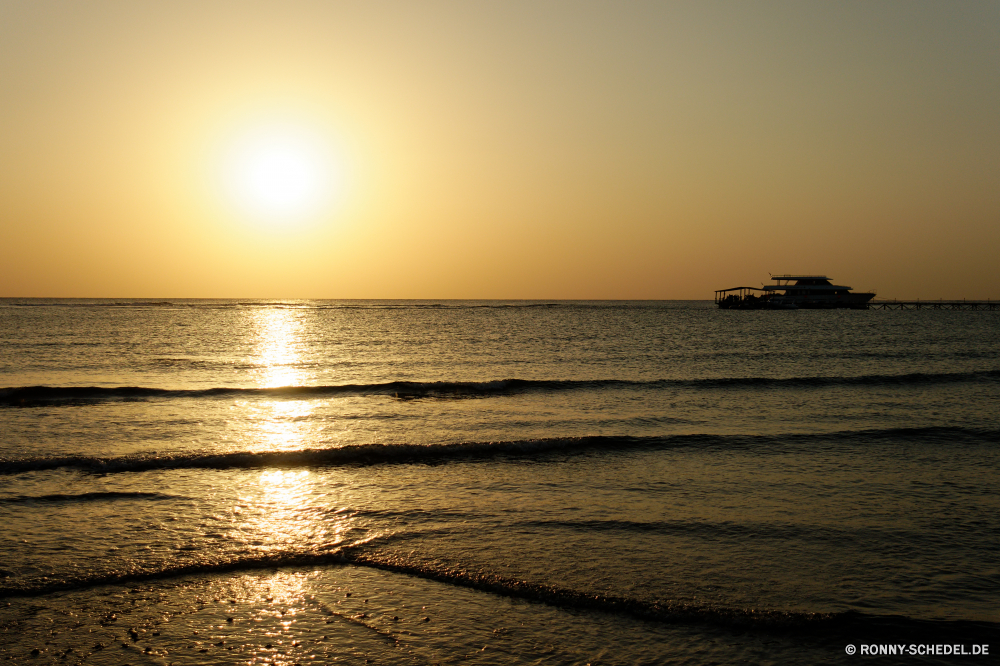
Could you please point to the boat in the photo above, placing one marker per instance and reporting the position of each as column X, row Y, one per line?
column 792, row 292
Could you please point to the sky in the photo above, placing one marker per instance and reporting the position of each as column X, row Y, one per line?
column 507, row 150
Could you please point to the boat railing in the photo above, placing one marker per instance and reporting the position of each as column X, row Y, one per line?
column 738, row 297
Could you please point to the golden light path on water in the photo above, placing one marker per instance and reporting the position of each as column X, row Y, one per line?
column 284, row 509
column 279, row 341
column 291, row 509
column 277, row 424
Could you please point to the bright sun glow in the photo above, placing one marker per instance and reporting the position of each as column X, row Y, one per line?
column 281, row 174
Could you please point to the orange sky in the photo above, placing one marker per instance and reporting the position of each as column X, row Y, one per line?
column 498, row 149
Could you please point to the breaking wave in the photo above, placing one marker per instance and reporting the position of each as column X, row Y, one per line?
column 851, row 625
column 109, row 496
column 387, row 454
column 32, row 396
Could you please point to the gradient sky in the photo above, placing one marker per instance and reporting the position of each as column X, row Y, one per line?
column 501, row 149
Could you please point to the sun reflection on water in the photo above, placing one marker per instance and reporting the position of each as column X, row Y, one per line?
column 285, row 510
column 281, row 510
column 283, row 425
column 278, row 423
column 278, row 357
column 284, row 487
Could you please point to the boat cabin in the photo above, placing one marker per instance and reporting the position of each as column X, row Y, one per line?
column 793, row 292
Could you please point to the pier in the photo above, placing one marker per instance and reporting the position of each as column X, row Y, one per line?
column 934, row 305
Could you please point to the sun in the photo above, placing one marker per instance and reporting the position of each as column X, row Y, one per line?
column 280, row 173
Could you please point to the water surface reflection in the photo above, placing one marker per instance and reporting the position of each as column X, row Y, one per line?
column 278, row 351
column 290, row 511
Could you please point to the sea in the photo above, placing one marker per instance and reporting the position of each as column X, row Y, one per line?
column 496, row 482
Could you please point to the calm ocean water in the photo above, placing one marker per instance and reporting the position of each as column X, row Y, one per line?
column 233, row 482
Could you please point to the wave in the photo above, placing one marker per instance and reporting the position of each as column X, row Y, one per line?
column 388, row 454
column 848, row 624
column 840, row 624
column 96, row 496
column 362, row 454
column 30, row 396
column 899, row 537
column 907, row 379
